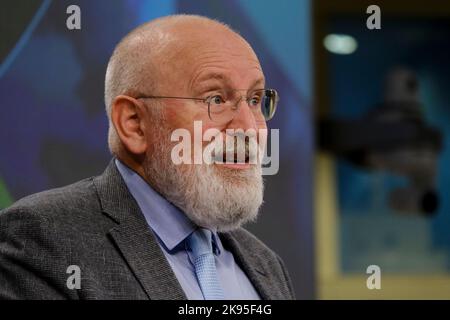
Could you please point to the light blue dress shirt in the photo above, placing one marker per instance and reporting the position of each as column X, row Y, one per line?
column 171, row 227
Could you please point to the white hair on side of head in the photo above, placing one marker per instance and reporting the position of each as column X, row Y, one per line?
column 132, row 67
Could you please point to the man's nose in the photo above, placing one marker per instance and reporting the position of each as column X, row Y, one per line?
column 243, row 117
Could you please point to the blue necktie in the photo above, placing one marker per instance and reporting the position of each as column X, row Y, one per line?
column 200, row 243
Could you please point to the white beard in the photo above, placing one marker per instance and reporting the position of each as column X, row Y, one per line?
column 212, row 196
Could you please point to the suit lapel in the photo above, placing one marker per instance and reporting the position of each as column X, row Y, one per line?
column 135, row 240
column 148, row 263
column 249, row 265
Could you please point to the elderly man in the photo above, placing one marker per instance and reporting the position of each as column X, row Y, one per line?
column 149, row 228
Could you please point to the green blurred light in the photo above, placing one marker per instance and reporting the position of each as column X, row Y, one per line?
column 340, row 43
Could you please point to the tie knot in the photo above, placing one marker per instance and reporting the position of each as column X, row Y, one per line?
column 200, row 242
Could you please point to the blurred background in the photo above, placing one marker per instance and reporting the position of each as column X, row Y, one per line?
column 364, row 121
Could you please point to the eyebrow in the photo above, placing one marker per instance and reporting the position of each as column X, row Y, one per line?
column 203, row 85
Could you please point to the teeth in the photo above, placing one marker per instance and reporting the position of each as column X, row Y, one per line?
column 246, row 154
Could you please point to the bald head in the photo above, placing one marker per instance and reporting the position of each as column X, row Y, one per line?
column 153, row 57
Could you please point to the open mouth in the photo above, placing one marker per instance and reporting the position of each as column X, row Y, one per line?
column 233, row 158
column 236, row 159
column 236, row 154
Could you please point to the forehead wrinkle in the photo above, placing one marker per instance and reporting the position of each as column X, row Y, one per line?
column 216, row 74
column 208, row 75
column 204, row 55
column 216, row 78
column 209, row 57
column 225, row 52
column 213, row 56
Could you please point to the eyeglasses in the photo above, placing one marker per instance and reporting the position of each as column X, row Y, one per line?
column 222, row 108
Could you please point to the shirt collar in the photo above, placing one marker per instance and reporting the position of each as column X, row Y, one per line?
column 169, row 223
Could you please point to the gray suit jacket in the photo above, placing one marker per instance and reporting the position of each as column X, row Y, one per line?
column 97, row 225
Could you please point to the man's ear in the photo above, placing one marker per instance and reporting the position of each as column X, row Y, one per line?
column 129, row 120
